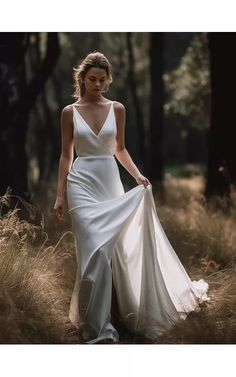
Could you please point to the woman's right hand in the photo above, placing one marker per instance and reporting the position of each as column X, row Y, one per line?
column 58, row 208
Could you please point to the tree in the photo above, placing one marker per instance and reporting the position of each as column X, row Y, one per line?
column 188, row 85
column 133, row 88
column 222, row 132
column 154, row 166
column 17, row 97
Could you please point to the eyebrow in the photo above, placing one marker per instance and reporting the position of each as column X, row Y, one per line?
column 103, row 77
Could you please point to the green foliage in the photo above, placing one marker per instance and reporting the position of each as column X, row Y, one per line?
column 188, row 85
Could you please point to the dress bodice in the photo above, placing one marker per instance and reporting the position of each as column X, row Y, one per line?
column 87, row 142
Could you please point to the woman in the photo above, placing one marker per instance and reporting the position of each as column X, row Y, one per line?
column 152, row 287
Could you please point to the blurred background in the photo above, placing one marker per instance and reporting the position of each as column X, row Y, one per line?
column 179, row 92
column 178, row 89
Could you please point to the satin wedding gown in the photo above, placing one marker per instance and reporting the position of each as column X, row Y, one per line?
column 119, row 234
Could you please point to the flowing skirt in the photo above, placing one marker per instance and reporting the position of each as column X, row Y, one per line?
column 152, row 287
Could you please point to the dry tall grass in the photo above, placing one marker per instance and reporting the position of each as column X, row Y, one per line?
column 36, row 283
column 37, row 271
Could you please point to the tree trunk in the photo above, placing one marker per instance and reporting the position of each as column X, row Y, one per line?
column 222, row 132
column 155, row 140
column 16, row 101
column 137, row 105
column 13, row 167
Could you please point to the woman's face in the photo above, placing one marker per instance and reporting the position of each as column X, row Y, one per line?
column 95, row 80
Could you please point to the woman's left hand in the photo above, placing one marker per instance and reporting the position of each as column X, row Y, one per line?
column 141, row 180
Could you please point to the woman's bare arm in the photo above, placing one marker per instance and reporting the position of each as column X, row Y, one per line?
column 121, row 152
column 66, row 158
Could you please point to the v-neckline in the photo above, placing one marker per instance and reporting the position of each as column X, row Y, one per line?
column 86, row 123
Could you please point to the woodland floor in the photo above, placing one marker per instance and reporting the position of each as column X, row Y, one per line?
column 37, row 268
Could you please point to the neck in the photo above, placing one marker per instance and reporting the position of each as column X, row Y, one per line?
column 91, row 98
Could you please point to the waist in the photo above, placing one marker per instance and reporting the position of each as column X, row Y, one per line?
column 95, row 157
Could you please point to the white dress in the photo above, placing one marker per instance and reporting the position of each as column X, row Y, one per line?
column 153, row 289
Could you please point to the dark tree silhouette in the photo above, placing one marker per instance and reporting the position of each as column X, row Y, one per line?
column 17, row 97
column 155, row 135
column 222, row 132
column 133, row 87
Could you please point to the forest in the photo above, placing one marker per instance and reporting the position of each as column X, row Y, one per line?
column 178, row 91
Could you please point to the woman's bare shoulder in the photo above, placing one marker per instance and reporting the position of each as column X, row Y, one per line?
column 67, row 116
column 119, row 105
column 119, row 108
column 67, row 110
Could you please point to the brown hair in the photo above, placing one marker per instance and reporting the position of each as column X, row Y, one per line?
column 95, row 59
